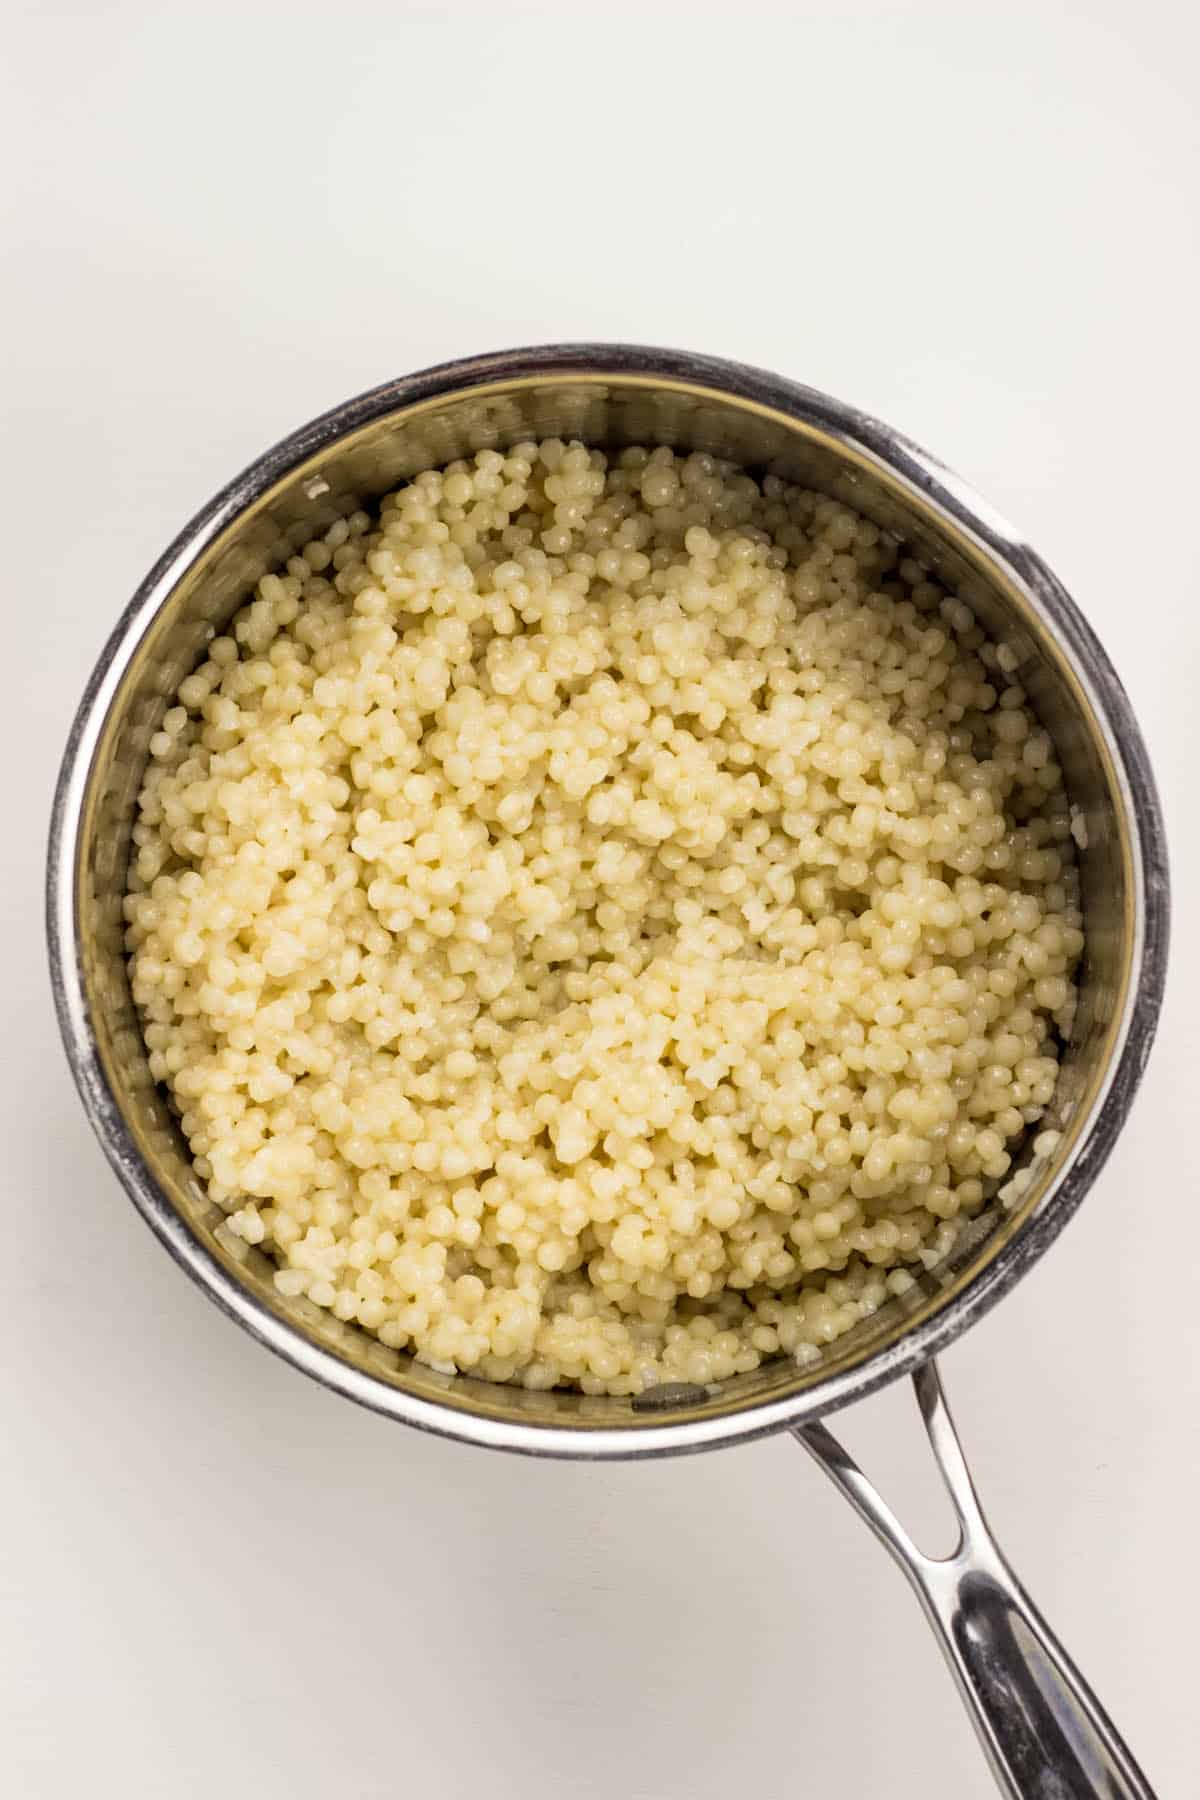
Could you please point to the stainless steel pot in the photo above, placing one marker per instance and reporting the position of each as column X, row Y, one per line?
column 1044, row 1732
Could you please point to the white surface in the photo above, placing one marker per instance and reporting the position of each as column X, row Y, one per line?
column 977, row 221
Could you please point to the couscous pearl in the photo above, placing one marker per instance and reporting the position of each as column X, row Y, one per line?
column 603, row 922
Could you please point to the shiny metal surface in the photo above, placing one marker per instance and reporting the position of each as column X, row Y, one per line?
column 607, row 395
column 1045, row 1734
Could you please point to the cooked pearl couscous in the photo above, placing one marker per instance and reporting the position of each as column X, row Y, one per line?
column 603, row 922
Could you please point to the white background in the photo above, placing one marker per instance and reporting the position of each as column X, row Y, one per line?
column 979, row 222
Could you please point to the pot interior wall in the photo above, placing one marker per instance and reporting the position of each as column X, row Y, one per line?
column 610, row 412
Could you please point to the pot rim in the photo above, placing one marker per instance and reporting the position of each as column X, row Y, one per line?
column 864, row 440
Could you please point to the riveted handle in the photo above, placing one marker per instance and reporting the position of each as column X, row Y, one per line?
column 1045, row 1734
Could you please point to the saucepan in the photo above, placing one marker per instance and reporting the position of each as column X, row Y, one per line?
column 1044, row 1732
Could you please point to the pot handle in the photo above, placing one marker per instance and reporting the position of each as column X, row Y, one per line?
column 1045, row 1734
